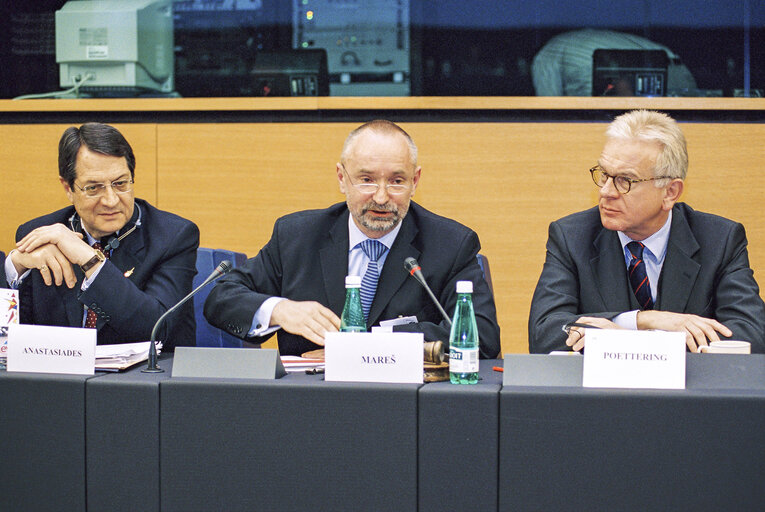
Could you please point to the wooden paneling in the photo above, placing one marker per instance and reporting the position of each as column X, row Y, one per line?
column 507, row 181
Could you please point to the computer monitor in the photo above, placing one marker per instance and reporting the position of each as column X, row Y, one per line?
column 122, row 47
column 629, row 72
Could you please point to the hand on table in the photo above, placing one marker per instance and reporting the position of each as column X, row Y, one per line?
column 575, row 338
column 308, row 319
column 698, row 330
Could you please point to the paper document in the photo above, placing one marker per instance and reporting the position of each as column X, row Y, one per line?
column 295, row 364
column 123, row 355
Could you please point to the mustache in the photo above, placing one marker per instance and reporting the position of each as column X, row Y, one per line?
column 380, row 208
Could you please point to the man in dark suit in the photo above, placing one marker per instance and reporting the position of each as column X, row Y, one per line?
column 296, row 283
column 640, row 259
column 109, row 261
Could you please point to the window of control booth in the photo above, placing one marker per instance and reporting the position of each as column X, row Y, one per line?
column 227, row 48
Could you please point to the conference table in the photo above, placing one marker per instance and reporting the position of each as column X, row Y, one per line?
column 137, row 441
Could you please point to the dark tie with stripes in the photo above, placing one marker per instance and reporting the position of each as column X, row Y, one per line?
column 373, row 250
column 638, row 276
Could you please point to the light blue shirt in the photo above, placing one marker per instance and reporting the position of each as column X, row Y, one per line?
column 654, row 252
column 357, row 266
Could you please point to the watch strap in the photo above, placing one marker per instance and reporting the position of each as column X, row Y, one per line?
column 96, row 259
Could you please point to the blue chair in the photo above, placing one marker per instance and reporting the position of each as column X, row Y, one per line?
column 483, row 262
column 207, row 260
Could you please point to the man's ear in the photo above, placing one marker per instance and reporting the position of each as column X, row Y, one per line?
column 67, row 189
column 416, row 179
column 341, row 177
column 672, row 193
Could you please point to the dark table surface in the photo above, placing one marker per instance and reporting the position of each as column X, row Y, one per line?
column 134, row 441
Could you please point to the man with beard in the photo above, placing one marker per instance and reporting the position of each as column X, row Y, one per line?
column 295, row 285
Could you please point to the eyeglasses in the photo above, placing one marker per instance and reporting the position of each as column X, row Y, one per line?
column 400, row 186
column 623, row 184
column 99, row 189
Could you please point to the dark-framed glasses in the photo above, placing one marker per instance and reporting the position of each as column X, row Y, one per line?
column 622, row 183
column 99, row 189
column 366, row 185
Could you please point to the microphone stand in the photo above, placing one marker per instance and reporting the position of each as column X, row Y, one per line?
column 152, row 366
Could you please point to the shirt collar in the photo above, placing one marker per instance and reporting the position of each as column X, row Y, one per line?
column 355, row 236
column 656, row 243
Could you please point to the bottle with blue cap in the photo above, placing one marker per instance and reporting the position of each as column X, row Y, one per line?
column 352, row 319
column 463, row 339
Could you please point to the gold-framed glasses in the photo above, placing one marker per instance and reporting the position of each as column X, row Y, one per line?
column 397, row 186
column 122, row 186
column 623, row 184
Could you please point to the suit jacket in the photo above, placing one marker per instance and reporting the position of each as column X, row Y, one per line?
column 706, row 272
column 307, row 260
column 160, row 259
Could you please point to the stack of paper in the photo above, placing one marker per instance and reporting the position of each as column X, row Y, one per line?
column 121, row 356
column 301, row 364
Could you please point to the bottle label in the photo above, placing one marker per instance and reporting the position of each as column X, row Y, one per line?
column 463, row 360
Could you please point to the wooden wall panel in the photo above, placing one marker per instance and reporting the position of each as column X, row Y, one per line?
column 507, row 181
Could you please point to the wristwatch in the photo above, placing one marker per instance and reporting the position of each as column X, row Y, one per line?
column 97, row 258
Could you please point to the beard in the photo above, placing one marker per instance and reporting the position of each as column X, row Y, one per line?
column 373, row 223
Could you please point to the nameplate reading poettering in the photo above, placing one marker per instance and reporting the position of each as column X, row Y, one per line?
column 616, row 358
column 373, row 357
column 46, row 349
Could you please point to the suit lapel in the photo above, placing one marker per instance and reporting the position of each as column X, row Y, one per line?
column 128, row 256
column 680, row 270
column 393, row 274
column 610, row 272
column 334, row 263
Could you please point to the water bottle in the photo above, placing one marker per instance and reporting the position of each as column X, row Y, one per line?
column 463, row 339
column 352, row 319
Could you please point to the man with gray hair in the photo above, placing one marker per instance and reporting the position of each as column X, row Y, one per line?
column 641, row 259
column 295, row 285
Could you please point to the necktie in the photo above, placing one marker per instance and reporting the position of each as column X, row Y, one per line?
column 373, row 250
column 91, row 317
column 638, row 276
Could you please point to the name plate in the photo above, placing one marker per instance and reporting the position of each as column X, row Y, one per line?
column 373, row 357
column 47, row 349
column 616, row 358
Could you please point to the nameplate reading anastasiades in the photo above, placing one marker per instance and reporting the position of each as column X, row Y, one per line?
column 47, row 349
column 228, row 363
column 618, row 358
column 373, row 357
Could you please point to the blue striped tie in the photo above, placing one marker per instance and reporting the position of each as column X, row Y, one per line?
column 638, row 276
column 373, row 250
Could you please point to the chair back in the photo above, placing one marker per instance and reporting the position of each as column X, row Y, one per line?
column 207, row 261
column 483, row 262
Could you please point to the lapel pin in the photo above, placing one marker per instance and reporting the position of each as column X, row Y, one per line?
column 129, row 272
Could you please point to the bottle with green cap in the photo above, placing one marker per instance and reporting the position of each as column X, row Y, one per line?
column 463, row 339
column 352, row 319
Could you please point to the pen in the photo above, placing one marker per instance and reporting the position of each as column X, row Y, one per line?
column 567, row 327
column 498, row 369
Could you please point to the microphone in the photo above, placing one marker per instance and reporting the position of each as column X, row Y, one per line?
column 414, row 269
column 223, row 268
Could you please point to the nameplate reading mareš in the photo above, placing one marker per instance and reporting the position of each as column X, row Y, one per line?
column 373, row 357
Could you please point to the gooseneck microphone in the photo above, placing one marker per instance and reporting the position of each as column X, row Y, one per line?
column 223, row 268
column 414, row 269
